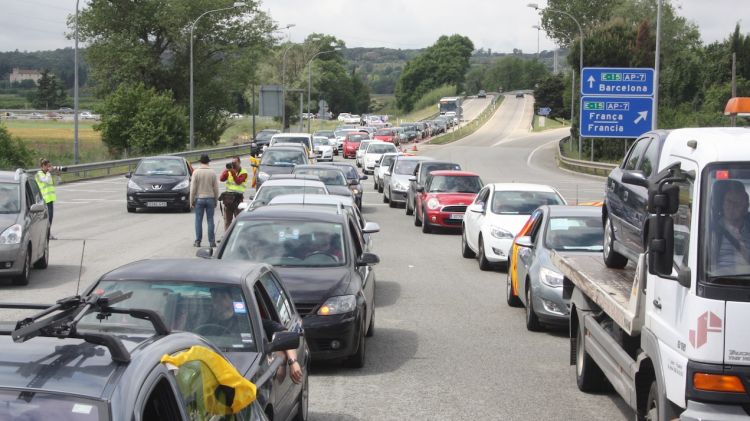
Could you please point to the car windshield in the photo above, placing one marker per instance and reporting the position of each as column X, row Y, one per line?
column 218, row 312
column 291, row 139
column 287, row 243
column 329, row 177
column 426, row 168
column 363, row 145
column 350, row 172
column 387, row 160
column 320, row 141
column 574, row 233
column 282, row 158
column 266, row 193
column 522, row 202
column 455, row 184
column 10, row 198
column 405, row 166
column 381, row 148
column 384, row 133
column 326, row 133
column 356, row 138
column 35, row 405
column 161, row 167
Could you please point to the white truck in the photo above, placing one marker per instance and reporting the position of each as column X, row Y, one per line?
column 669, row 333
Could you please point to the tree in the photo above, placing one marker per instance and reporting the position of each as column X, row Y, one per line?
column 15, row 153
column 360, row 95
column 588, row 13
column 49, row 94
column 550, row 93
column 148, row 42
column 139, row 120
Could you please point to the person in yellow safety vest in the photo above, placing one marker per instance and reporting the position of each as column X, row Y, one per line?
column 235, row 179
column 254, row 164
column 46, row 182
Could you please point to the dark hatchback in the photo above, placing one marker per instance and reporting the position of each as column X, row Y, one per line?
column 262, row 140
column 421, row 172
column 624, row 213
column 322, row 261
column 160, row 182
column 355, row 180
column 187, row 294
column 83, row 372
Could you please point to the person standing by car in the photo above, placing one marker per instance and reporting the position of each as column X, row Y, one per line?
column 46, row 182
column 204, row 193
column 235, row 181
column 254, row 163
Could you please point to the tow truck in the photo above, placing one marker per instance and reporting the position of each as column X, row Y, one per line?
column 669, row 332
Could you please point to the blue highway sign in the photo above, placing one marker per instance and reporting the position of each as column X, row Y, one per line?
column 622, row 117
column 617, row 81
column 544, row 111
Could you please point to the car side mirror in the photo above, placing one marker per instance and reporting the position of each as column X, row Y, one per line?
column 412, row 178
column 524, row 241
column 283, row 341
column 37, row 208
column 128, row 174
column 636, row 178
column 387, row 172
column 476, row 207
column 368, row 259
column 420, row 189
column 371, row 228
column 205, row 253
column 242, row 206
column 363, row 177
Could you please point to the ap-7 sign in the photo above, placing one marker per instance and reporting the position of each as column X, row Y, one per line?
column 615, row 116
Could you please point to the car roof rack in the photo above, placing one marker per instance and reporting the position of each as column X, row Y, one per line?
column 61, row 321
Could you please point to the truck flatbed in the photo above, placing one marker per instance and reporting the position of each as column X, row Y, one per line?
column 613, row 290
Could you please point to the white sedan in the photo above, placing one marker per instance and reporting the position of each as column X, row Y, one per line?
column 497, row 214
column 323, row 148
column 373, row 153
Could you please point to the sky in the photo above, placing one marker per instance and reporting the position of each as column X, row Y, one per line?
column 502, row 25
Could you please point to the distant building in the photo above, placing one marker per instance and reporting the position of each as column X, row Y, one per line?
column 19, row 75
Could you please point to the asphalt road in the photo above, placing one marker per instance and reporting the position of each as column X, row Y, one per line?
column 446, row 345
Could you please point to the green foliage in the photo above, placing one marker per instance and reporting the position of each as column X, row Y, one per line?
column 59, row 62
column 431, row 98
column 50, row 94
column 445, row 62
column 588, row 13
column 138, row 120
column 15, row 153
column 550, row 93
column 509, row 73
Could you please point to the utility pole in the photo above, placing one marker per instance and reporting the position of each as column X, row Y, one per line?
column 657, row 63
column 733, row 118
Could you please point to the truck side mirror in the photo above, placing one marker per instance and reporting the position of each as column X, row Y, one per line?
column 661, row 250
column 665, row 201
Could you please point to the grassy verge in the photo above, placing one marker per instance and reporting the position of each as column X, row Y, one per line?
column 469, row 128
column 54, row 139
column 549, row 124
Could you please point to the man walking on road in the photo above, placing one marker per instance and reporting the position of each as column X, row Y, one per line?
column 204, row 193
column 46, row 182
column 235, row 178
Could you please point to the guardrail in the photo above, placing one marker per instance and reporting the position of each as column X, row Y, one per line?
column 122, row 166
column 588, row 167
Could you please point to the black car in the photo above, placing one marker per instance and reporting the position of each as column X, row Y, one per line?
column 355, row 180
column 322, row 261
column 160, row 182
column 62, row 364
column 280, row 160
column 332, row 176
column 624, row 213
column 421, row 172
column 193, row 295
column 262, row 140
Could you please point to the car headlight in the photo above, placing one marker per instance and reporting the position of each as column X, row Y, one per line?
column 500, row 233
column 263, row 176
column 12, row 235
column 550, row 278
column 399, row 186
column 355, row 191
column 338, row 305
column 133, row 185
column 182, row 185
column 433, row 203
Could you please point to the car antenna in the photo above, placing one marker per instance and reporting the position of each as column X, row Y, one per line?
column 80, row 267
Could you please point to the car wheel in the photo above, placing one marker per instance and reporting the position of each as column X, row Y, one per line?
column 390, row 198
column 589, row 376
column 43, row 261
column 385, row 198
column 466, row 251
column 303, row 401
column 23, row 278
column 409, row 210
column 375, row 185
column 510, row 298
column 187, row 208
column 426, row 228
column 131, row 209
column 612, row 258
column 371, row 326
column 417, row 221
column 380, row 188
column 358, row 359
column 484, row 264
column 532, row 321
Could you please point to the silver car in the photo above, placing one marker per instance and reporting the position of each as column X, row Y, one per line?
column 24, row 227
column 538, row 282
column 396, row 179
column 380, row 168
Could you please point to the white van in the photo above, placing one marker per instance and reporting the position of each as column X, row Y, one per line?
column 300, row 138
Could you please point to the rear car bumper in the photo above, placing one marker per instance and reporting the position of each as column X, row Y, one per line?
column 11, row 259
column 332, row 337
column 179, row 199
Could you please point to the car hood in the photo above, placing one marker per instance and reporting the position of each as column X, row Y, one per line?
column 512, row 223
column 386, row 138
column 276, row 169
column 402, row 178
column 313, row 285
column 454, row 198
column 148, row 182
column 7, row 219
column 339, row 190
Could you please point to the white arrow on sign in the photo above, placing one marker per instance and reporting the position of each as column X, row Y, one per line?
column 641, row 116
column 591, row 81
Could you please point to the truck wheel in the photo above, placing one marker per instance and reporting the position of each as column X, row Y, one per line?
column 511, row 299
column 653, row 408
column 612, row 258
column 532, row 321
column 589, row 376
column 466, row 251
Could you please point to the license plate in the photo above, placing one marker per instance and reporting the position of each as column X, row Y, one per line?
column 156, row 204
column 457, row 216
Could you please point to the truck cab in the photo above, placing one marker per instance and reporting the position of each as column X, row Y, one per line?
column 668, row 331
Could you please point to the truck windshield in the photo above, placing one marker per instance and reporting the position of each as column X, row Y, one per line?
column 726, row 231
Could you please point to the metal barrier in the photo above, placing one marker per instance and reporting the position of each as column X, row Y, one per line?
column 587, row 167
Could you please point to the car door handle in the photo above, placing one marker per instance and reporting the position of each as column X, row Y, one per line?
column 657, row 303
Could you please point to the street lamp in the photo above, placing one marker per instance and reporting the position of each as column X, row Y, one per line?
column 538, row 28
column 75, row 91
column 580, row 65
column 236, row 5
column 309, row 80
column 283, row 87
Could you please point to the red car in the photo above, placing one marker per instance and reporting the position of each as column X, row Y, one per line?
column 443, row 199
column 387, row 135
column 352, row 141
